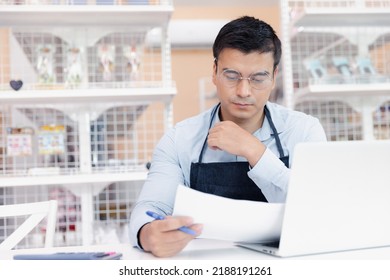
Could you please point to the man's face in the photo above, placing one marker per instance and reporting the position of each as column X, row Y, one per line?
column 243, row 101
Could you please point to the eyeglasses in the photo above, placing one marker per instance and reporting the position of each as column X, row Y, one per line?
column 231, row 78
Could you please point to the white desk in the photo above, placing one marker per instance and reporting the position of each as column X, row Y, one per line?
column 202, row 249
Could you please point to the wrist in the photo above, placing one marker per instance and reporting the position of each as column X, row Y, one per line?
column 140, row 236
column 255, row 152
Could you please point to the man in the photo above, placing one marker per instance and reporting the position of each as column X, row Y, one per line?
column 241, row 148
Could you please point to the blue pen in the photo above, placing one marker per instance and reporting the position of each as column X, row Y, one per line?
column 160, row 217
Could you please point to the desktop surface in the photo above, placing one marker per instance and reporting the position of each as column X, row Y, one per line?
column 202, row 249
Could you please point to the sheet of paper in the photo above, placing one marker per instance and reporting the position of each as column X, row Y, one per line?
column 230, row 219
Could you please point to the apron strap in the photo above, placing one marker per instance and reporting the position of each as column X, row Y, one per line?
column 213, row 113
column 274, row 131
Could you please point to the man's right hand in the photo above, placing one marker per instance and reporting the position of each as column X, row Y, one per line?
column 162, row 237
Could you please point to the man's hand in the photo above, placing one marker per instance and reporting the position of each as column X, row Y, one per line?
column 162, row 237
column 230, row 137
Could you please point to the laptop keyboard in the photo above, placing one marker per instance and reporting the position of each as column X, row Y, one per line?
column 274, row 244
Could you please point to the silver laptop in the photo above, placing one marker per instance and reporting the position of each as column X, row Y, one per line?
column 338, row 199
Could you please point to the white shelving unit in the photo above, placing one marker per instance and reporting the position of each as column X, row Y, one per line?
column 336, row 64
column 96, row 98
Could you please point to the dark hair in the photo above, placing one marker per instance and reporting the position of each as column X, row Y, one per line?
column 248, row 34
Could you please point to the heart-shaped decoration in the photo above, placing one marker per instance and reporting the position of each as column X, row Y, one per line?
column 16, row 85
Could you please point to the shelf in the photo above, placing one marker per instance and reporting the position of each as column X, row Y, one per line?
column 351, row 17
column 344, row 91
column 70, row 179
column 134, row 95
column 85, row 15
column 90, row 73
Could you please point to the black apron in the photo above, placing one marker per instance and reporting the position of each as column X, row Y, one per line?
column 230, row 179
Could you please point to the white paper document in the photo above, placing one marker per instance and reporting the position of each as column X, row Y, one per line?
column 230, row 219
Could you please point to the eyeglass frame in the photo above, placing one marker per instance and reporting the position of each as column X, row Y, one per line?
column 241, row 77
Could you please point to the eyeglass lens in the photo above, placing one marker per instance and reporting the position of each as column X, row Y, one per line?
column 260, row 80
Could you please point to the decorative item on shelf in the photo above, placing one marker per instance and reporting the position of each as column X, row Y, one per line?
column 319, row 74
column 133, row 61
column 67, row 216
column 367, row 73
column 77, row 2
column 45, row 65
column 106, row 54
column 73, row 70
column 35, row 2
column 148, row 165
column 138, row 2
column 16, row 84
column 154, row 2
column 19, row 141
column 105, row 2
column 51, row 140
column 341, row 63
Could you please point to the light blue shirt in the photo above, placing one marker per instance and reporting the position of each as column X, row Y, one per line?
column 181, row 146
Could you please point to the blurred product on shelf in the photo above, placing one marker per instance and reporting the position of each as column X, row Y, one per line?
column 45, row 65
column 74, row 71
column 19, row 141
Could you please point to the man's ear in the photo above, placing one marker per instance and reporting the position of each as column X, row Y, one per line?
column 214, row 73
column 276, row 71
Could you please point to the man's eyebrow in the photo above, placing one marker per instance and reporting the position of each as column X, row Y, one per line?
column 262, row 73
column 230, row 69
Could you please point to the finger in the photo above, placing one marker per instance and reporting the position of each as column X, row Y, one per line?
column 215, row 143
column 172, row 248
column 169, row 243
column 153, row 239
column 214, row 148
column 175, row 234
column 173, row 223
column 197, row 228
